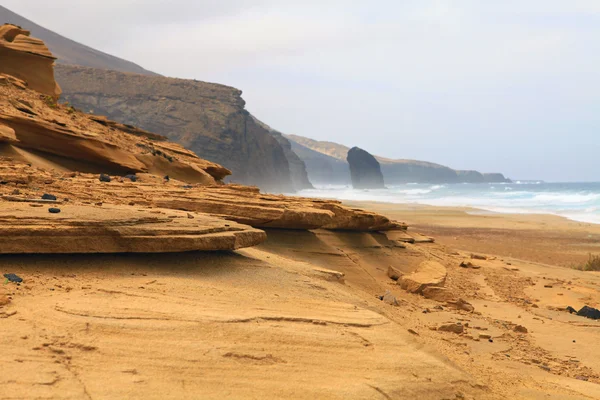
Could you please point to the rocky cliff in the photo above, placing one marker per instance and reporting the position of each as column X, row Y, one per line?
column 322, row 169
column 298, row 172
column 365, row 171
column 77, row 183
column 207, row 118
column 330, row 157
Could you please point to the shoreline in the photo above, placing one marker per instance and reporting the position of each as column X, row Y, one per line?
column 544, row 238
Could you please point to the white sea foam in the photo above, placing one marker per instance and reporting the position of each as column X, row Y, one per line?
column 579, row 202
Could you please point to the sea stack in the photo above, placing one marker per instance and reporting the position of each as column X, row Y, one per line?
column 365, row 170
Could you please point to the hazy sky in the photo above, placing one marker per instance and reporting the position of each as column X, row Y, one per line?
column 509, row 86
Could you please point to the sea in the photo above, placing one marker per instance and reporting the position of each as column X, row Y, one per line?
column 575, row 201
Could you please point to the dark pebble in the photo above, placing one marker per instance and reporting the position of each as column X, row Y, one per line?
column 166, row 178
column 13, row 278
column 104, row 178
column 491, row 340
column 54, row 210
column 131, row 177
column 47, row 196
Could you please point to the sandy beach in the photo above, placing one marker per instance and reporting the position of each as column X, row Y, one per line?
column 300, row 317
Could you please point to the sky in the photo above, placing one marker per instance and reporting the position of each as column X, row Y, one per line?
column 508, row 86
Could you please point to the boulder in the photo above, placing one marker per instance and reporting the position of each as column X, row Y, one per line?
column 117, row 229
column 428, row 273
column 394, row 274
column 440, row 294
column 461, row 304
column 454, row 328
column 365, row 170
column 520, row 329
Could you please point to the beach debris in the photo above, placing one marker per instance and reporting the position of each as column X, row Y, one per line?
column 131, row 177
column 453, row 327
column 389, row 298
column 47, row 196
column 520, row 329
column 478, row 257
column 54, row 210
column 468, row 264
column 394, row 274
column 586, row 311
column 104, row 178
column 428, row 273
column 13, row 278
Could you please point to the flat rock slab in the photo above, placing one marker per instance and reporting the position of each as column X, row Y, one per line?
column 427, row 274
column 117, row 229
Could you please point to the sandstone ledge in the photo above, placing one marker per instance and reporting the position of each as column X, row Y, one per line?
column 116, row 229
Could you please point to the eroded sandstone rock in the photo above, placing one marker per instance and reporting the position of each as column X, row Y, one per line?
column 28, row 59
column 428, row 273
column 116, row 229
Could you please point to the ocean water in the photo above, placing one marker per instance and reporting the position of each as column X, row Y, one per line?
column 576, row 201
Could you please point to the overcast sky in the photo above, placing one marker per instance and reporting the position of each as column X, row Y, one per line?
column 510, row 86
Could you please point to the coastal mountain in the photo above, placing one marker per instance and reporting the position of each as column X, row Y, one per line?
column 365, row 170
column 331, row 157
column 207, row 118
column 68, row 51
column 91, row 160
column 298, row 172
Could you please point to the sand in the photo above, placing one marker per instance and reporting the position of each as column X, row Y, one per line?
column 273, row 321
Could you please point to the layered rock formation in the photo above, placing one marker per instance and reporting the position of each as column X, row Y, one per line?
column 207, row 118
column 326, row 163
column 70, row 52
column 28, row 59
column 110, row 187
column 116, row 229
column 241, row 204
column 36, row 130
column 365, row 171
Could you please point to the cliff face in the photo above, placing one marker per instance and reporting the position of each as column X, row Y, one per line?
column 364, row 170
column 28, row 59
column 68, row 51
column 298, row 172
column 326, row 165
column 207, row 118
column 322, row 169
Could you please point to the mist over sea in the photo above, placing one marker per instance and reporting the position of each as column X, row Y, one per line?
column 576, row 201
